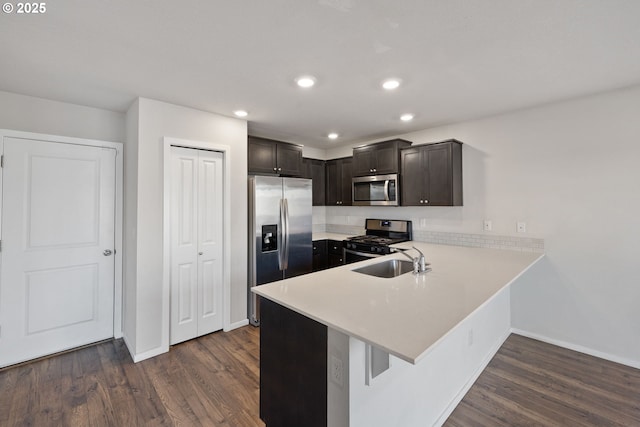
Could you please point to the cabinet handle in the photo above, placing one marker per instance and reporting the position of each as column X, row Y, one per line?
column 426, row 201
column 421, row 201
column 275, row 169
column 375, row 170
column 279, row 169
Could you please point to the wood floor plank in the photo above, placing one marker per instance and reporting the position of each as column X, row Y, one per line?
column 74, row 399
column 533, row 383
column 615, row 408
column 214, row 381
column 7, row 382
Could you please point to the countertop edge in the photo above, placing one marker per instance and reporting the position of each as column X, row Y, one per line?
column 408, row 358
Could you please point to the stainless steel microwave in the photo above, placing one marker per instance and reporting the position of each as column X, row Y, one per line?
column 377, row 190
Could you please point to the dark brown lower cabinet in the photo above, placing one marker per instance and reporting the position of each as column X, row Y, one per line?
column 320, row 255
column 293, row 368
column 336, row 255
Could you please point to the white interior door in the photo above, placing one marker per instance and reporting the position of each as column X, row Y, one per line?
column 57, row 271
column 196, row 243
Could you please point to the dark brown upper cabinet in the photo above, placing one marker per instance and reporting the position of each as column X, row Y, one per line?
column 267, row 156
column 381, row 158
column 315, row 169
column 432, row 174
column 339, row 173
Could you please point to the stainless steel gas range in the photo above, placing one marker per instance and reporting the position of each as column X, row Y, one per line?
column 380, row 234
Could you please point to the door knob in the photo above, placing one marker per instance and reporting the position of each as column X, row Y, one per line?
column 107, row 252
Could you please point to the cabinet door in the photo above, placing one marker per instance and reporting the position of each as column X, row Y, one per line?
column 363, row 161
column 319, row 255
column 413, row 177
column 438, row 175
column 335, row 260
column 386, row 160
column 346, row 177
column 289, row 159
column 262, row 156
column 332, row 180
column 317, row 175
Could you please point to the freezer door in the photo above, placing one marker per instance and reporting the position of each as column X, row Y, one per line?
column 298, row 254
column 266, row 228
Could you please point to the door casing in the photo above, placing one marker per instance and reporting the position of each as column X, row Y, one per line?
column 118, row 295
column 166, row 250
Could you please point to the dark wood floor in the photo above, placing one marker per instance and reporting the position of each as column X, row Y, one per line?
column 214, row 381
column 211, row 381
column 530, row 383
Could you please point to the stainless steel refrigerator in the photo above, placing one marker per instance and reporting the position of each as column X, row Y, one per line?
column 279, row 232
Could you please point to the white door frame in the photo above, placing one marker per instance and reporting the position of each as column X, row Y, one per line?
column 166, row 230
column 117, row 297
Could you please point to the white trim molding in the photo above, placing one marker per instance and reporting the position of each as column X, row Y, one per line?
column 578, row 348
column 166, row 228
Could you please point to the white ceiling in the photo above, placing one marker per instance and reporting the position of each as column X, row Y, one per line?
column 458, row 59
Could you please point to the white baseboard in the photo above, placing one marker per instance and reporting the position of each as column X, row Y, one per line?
column 236, row 325
column 591, row 352
column 458, row 398
column 146, row 355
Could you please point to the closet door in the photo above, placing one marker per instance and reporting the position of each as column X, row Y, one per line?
column 196, row 243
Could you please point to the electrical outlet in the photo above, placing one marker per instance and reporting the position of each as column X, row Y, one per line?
column 487, row 225
column 337, row 370
column 521, row 227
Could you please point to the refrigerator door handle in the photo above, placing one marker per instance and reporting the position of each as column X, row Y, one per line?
column 282, row 227
column 286, row 236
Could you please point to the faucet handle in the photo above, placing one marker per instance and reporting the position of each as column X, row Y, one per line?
column 420, row 264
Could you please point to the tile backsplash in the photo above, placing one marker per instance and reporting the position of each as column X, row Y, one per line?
column 523, row 244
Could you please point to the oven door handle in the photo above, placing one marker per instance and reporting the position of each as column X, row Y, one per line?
column 365, row 254
column 386, row 190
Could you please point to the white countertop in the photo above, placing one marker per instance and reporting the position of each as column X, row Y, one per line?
column 330, row 236
column 406, row 315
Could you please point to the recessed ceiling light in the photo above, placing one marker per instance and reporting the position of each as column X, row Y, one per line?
column 306, row 81
column 406, row 117
column 391, row 84
column 241, row 113
column 332, row 135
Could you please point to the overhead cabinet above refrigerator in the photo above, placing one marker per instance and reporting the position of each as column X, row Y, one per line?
column 280, row 225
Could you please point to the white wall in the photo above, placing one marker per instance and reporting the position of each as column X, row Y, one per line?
column 29, row 114
column 570, row 170
column 155, row 121
column 426, row 393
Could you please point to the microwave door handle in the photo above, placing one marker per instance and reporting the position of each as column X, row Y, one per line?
column 386, row 190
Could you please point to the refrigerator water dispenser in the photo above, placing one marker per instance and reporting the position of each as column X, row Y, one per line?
column 269, row 238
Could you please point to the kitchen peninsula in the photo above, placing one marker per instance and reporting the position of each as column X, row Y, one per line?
column 398, row 351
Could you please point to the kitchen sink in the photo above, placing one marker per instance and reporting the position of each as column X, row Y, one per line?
column 386, row 269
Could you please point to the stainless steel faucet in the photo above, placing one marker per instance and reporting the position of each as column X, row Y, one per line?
column 419, row 263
